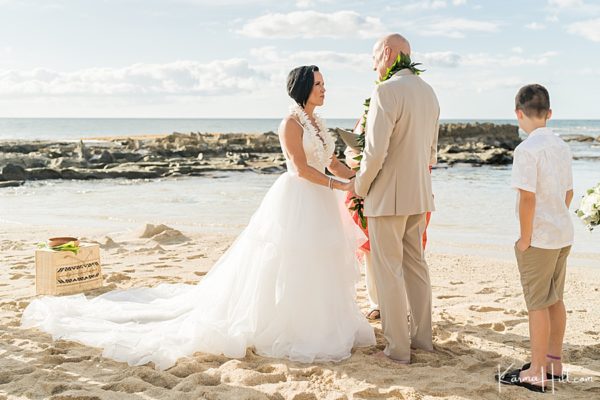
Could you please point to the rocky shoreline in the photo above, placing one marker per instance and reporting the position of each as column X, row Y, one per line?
column 198, row 154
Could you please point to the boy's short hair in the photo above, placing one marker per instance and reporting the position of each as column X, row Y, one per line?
column 533, row 100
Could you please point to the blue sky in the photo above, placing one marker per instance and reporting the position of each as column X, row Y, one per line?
column 229, row 58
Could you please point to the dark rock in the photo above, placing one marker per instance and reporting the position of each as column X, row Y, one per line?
column 126, row 156
column 23, row 148
column 12, row 172
column 51, row 153
column 201, row 170
column 497, row 157
column 104, row 158
column 62, row 163
column 492, row 135
column 77, row 174
column 183, row 170
column 131, row 144
column 11, row 184
column 577, row 138
column 130, row 174
column 81, row 151
column 38, row 174
column 270, row 170
column 32, row 160
column 451, row 149
column 35, row 160
column 198, row 153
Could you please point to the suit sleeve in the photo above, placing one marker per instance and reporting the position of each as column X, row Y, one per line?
column 380, row 125
column 434, row 144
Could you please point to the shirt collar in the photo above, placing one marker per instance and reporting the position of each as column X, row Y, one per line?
column 402, row 72
column 541, row 131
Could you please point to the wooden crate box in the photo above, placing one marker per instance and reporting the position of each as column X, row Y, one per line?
column 64, row 272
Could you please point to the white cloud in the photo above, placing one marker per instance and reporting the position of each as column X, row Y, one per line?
column 6, row 51
column 572, row 7
column 273, row 60
column 499, row 60
column 535, row 26
column 589, row 29
column 304, row 3
column 356, row 61
column 313, row 24
column 449, row 59
column 422, row 5
column 446, row 59
column 485, row 84
column 278, row 62
column 565, row 3
column 181, row 78
column 589, row 71
column 453, row 27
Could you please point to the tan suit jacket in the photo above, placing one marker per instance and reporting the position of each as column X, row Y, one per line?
column 401, row 143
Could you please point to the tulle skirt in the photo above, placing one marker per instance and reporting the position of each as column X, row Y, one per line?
column 286, row 287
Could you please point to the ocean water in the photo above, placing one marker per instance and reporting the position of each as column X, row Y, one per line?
column 77, row 128
column 475, row 207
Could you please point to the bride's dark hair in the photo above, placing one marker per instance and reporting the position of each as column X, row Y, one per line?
column 300, row 82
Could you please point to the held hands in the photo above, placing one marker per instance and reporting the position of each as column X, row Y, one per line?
column 523, row 244
column 349, row 187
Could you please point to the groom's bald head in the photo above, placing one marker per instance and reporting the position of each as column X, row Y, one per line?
column 396, row 42
column 386, row 50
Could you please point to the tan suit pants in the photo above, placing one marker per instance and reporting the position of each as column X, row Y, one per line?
column 370, row 283
column 402, row 280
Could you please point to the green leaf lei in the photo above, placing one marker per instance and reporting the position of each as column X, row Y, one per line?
column 403, row 61
column 69, row 246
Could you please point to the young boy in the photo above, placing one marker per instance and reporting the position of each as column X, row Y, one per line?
column 543, row 177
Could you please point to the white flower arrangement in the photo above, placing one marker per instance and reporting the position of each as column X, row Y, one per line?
column 589, row 208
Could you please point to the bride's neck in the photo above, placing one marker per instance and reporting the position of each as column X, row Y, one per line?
column 309, row 109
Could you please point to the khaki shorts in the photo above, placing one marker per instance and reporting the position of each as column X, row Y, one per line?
column 542, row 275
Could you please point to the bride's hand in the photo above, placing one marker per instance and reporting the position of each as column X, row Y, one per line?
column 349, row 187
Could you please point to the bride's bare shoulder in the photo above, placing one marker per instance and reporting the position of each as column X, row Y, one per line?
column 290, row 125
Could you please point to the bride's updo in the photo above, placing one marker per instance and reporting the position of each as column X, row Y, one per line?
column 300, row 82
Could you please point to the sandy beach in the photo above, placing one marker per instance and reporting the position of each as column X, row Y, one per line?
column 155, row 130
column 480, row 325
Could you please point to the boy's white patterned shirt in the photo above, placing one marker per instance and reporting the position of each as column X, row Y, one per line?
column 542, row 165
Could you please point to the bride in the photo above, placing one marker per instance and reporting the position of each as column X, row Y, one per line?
column 285, row 287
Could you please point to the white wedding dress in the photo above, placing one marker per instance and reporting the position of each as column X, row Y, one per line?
column 286, row 287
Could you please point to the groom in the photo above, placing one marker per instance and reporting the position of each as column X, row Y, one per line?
column 401, row 143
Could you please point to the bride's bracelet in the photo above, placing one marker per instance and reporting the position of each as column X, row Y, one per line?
column 330, row 184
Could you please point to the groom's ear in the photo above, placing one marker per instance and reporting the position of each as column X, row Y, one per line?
column 387, row 53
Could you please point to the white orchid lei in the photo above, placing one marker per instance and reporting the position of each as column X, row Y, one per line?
column 321, row 136
column 589, row 208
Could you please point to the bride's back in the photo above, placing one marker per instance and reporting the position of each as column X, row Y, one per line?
column 318, row 145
